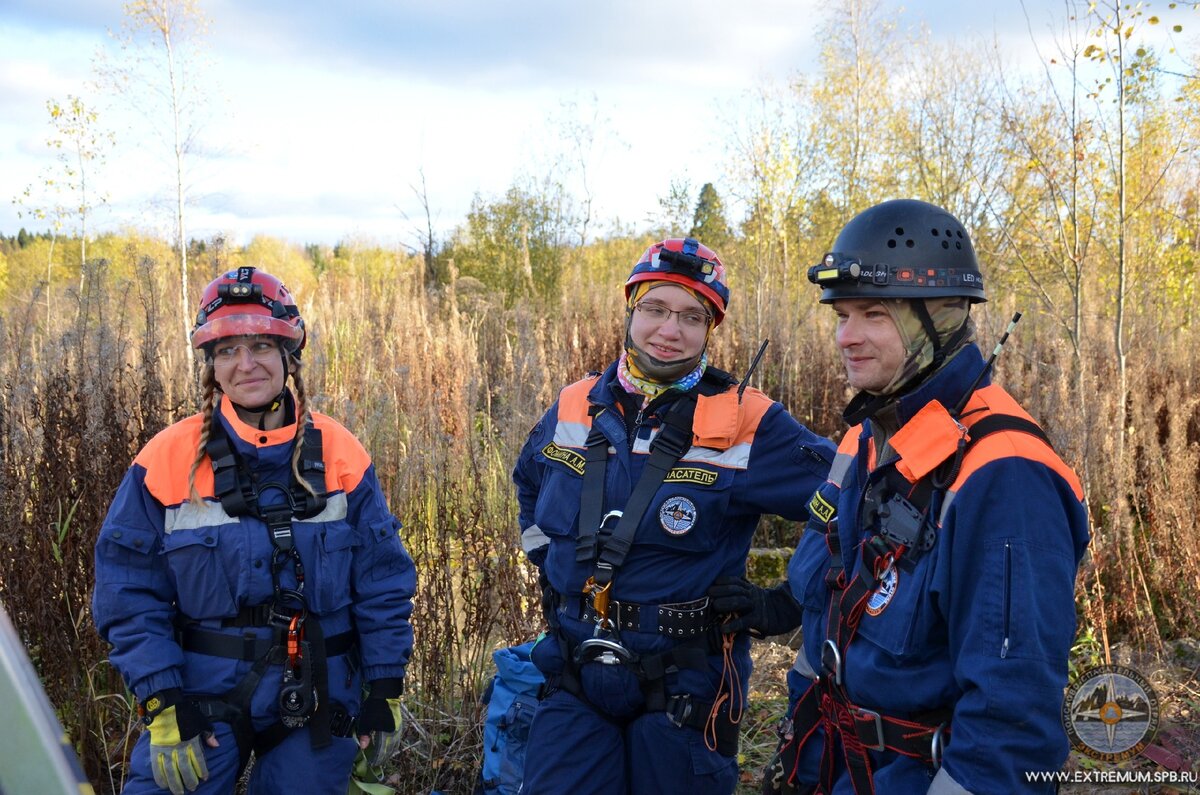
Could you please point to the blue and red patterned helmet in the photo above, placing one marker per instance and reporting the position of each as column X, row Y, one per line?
column 687, row 262
column 245, row 302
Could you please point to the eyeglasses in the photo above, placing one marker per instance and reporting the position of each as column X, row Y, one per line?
column 261, row 351
column 688, row 318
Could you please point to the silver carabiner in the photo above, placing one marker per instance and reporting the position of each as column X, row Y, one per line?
column 937, row 745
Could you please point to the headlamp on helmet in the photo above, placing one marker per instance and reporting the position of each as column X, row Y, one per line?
column 687, row 262
column 902, row 248
column 248, row 302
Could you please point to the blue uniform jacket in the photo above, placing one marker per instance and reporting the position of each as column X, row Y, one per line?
column 984, row 622
column 159, row 555
column 747, row 459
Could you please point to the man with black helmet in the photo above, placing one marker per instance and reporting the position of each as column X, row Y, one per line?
column 937, row 570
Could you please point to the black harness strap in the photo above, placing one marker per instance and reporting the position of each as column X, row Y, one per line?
column 239, row 494
column 673, row 440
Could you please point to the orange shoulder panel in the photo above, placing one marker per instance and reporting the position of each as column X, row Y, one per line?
column 346, row 460
column 1008, row 444
column 573, row 403
column 168, row 457
column 721, row 421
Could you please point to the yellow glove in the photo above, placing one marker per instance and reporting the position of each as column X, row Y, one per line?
column 380, row 720
column 176, row 729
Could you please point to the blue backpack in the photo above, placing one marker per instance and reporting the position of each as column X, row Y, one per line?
column 511, row 699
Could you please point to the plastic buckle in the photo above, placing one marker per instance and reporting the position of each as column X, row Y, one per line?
column 830, row 649
column 937, row 745
column 869, row 714
column 679, row 716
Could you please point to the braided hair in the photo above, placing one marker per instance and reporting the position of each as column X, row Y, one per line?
column 208, row 399
column 302, row 416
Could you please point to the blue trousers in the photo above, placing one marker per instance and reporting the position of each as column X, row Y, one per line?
column 291, row 767
column 573, row 749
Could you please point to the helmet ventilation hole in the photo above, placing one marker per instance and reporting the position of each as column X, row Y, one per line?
column 909, row 243
column 891, row 244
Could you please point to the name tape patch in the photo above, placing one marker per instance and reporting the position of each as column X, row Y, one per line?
column 695, row 475
column 562, row 455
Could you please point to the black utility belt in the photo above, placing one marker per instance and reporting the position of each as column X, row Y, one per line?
column 677, row 620
column 249, row 647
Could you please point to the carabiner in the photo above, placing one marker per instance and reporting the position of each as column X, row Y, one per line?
column 599, row 596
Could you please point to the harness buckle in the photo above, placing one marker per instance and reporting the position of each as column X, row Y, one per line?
column 937, row 745
column 861, row 713
column 831, row 661
column 679, row 709
column 603, row 651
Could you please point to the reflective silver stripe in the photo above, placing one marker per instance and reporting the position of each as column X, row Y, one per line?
column 946, row 502
column 211, row 514
column 335, row 509
column 189, row 516
column 841, row 465
column 943, row 784
column 533, row 538
column 571, row 434
column 802, row 667
column 736, row 457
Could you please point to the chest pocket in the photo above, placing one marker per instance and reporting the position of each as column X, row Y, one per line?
column 687, row 512
column 556, row 512
column 202, row 562
column 901, row 617
column 327, row 550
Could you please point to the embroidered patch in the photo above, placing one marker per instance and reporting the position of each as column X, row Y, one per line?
column 700, row 477
column 821, row 508
column 677, row 515
column 562, row 455
column 882, row 595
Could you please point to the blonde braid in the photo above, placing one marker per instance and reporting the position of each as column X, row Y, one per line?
column 301, row 421
column 208, row 386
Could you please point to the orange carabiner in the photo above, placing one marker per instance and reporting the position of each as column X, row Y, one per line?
column 600, row 595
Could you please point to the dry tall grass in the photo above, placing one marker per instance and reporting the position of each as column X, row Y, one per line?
column 441, row 384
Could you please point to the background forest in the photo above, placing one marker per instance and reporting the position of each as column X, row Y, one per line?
column 1081, row 185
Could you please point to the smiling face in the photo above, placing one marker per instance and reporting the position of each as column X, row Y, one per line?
column 871, row 346
column 249, row 369
column 672, row 338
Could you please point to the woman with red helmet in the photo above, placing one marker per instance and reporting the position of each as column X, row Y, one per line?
column 639, row 492
column 250, row 577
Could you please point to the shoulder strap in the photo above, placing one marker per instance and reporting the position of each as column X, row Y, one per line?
column 673, row 440
column 234, row 487
column 231, row 481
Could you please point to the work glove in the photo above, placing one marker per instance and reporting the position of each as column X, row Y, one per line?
column 765, row 612
column 177, row 728
column 379, row 721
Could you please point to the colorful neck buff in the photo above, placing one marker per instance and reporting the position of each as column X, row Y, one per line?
column 636, row 383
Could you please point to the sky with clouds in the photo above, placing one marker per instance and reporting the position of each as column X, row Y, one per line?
column 321, row 118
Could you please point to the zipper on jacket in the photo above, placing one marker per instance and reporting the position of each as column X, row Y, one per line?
column 813, row 454
column 1007, row 596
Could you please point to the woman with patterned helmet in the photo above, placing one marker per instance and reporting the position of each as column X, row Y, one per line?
column 250, row 577
column 639, row 491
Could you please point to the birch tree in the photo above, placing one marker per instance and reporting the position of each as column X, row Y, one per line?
column 158, row 68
